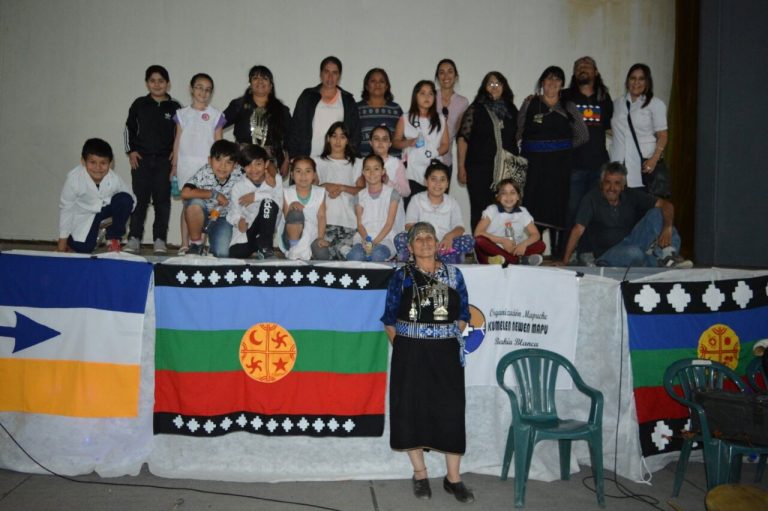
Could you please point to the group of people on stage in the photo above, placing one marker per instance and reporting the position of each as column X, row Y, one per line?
column 369, row 170
column 370, row 182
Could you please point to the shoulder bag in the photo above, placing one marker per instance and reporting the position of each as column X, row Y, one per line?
column 657, row 183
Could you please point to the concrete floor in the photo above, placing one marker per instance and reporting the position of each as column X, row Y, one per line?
column 148, row 493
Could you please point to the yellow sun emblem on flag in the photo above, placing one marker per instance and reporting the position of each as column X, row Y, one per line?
column 267, row 352
column 721, row 344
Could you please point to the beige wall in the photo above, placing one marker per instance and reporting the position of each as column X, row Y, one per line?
column 70, row 69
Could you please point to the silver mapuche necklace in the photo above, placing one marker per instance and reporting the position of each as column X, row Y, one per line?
column 434, row 293
column 259, row 126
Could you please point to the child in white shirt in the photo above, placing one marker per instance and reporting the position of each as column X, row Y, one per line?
column 92, row 193
column 337, row 172
column 303, row 235
column 379, row 214
column 506, row 233
column 198, row 126
column 394, row 170
column 255, row 209
column 440, row 210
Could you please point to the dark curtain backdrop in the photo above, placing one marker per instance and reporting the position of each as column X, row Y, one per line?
column 683, row 119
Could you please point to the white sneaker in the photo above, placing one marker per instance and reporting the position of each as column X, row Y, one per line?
column 160, row 247
column 676, row 261
column 133, row 245
column 532, row 260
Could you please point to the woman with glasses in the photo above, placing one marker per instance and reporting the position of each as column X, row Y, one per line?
column 490, row 119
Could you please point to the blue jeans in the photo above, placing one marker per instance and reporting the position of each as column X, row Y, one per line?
column 119, row 209
column 582, row 181
column 632, row 250
column 219, row 231
column 219, row 236
column 379, row 253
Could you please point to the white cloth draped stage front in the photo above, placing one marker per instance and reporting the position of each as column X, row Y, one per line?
column 115, row 447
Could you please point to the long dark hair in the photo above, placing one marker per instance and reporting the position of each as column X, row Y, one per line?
column 413, row 112
column 506, row 92
column 648, row 81
column 349, row 151
column 600, row 88
column 274, row 106
column 558, row 73
column 447, row 61
column 555, row 71
column 388, row 97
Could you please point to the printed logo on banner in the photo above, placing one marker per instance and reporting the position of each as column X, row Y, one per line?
column 474, row 333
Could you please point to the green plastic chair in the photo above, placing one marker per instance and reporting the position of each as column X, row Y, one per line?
column 722, row 458
column 534, row 417
column 755, row 369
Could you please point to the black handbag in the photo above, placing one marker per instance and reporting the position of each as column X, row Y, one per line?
column 656, row 183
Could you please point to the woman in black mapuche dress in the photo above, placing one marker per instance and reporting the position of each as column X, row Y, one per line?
column 427, row 309
column 549, row 129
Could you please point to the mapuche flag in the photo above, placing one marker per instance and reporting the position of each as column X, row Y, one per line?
column 718, row 320
column 270, row 349
column 70, row 334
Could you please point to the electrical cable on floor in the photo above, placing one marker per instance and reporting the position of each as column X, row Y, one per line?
column 625, row 493
column 177, row 488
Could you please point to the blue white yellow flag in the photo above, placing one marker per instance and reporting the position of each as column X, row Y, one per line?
column 70, row 334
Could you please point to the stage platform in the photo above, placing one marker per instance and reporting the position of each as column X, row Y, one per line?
column 117, row 447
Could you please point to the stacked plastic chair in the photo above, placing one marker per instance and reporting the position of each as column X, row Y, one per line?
column 722, row 458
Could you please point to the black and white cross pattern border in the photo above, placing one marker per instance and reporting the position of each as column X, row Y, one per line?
column 271, row 425
column 271, row 276
column 663, row 435
column 695, row 297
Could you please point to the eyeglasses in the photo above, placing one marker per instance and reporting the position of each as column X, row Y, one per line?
column 203, row 89
column 494, row 84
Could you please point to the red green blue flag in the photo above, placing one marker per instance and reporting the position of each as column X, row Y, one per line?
column 272, row 350
column 718, row 320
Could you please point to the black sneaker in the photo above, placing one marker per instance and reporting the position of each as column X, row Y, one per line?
column 267, row 253
column 195, row 249
column 421, row 489
column 458, row 490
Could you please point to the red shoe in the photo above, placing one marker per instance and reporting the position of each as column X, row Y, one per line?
column 113, row 245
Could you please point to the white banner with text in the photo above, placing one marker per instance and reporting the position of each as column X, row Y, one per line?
column 518, row 307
